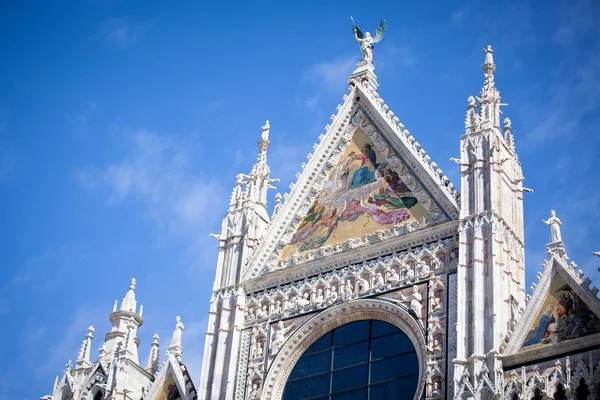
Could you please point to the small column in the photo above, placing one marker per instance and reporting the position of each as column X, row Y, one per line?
column 152, row 364
column 83, row 360
column 175, row 346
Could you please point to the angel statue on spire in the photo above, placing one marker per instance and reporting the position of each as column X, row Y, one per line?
column 366, row 42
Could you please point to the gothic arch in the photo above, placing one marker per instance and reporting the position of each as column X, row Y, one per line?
column 334, row 317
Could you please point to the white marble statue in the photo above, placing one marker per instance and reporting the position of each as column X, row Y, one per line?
column 409, row 273
column 262, row 312
column 379, row 281
column 554, row 223
column 366, row 42
column 303, row 302
column 414, row 299
column 258, row 349
column 362, row 286
column 333, row 295
column 176, row 340
column 279, row 336
column 291, row 306
column 277, row 308
column 393, row 277
column 423, row 268
column 254, row 393
column 348, row 290
column 436, row 303
column 319, row 298
column 250, row 316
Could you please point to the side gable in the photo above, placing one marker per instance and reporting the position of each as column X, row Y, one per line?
column 172, row 383
column 563, row 315
column 362, row 119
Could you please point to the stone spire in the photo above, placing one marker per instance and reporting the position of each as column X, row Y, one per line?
column 129, row 303
column 491, row 220
column 83, row 360
column 489, row 97
column 152, row 364
column 175, row 346
column 125, row 323
column 259, row 179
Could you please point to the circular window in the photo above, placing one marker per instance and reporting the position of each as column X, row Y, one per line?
column 364, row 360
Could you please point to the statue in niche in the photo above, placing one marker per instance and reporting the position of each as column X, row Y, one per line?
column 333, row 295
column 348, row 290
column 254, row 393
column 436, row 392
column 379, row 281
column 262, row 312
column 303, row 301
column 277, row 308
column 414, row 299
column 366, row 42
column 435, row 347
column 250, row 316
column 279, row 336
column 409, row 273
column 319, row 298
column 393, row 277
column 423, row 268
column 554, row 223
column 291, row 306
column 258, row 349
column 362, row 286
column 436, row 303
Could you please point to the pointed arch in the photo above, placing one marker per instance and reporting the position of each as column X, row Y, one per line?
column 376, row 309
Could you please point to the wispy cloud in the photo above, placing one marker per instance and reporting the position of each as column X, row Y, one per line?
column 572, row 96
column 158, row 170
column 458, row 16
column 331, row 72
column 125, row 32
column 50, row 268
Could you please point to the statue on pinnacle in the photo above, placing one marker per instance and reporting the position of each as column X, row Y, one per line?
column 366, row 42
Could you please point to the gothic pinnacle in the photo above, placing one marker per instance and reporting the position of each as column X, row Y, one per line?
column 488, row 65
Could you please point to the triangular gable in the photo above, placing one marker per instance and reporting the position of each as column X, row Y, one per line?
column 171, row 383
column 362, row 119
column 562, row 312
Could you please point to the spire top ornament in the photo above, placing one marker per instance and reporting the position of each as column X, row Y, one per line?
column 366, row 42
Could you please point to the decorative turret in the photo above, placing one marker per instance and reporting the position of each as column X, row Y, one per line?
column 152, row 364
column 129, row 303
column 491, row 271
column 175, row 346
column 247, row 217
column 125, row 322
column 83, row 360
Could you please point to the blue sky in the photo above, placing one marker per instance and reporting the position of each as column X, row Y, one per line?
column 123, row 125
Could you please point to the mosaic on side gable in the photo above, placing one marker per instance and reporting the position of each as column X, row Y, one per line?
column 169, row 390
column 362, row 195
column 563, row 316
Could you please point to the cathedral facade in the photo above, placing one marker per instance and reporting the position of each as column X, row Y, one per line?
column 375, row 278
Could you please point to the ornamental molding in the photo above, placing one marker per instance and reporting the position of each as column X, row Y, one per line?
column 321, row 264
column 378, row 275
column 332, row 318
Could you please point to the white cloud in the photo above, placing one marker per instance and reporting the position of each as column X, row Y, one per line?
column 331, row 73
column 158, row 170
column 125, row 32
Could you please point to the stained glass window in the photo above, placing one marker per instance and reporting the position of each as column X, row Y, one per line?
column 363, row 360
